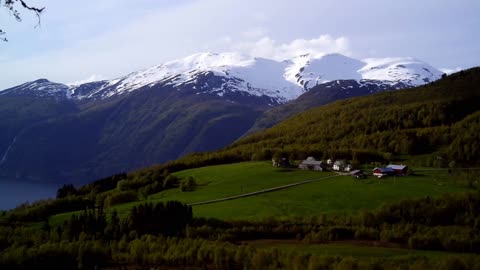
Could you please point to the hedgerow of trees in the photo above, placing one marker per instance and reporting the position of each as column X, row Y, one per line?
column 167, row 235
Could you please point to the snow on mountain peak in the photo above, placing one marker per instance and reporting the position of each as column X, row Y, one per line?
column 308, row 71
column 233, row 72
column 40, row 88
column 204, row 61
column 178, row 71
column 406, row 70
column 257, row 76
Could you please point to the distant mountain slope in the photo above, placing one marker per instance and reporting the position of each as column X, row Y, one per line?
column 320, row 95
column 148, row 127
column 18, row 114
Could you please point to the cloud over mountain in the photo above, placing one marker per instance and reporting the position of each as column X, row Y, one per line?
column 269, row 48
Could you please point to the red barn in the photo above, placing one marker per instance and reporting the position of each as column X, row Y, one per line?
column 382, row 172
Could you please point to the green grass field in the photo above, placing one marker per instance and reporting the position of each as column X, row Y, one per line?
column 346, row 249
column 334, row 195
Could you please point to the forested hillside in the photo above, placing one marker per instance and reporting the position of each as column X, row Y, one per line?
column 320, row 95
column 431, row 125
column 443, row 116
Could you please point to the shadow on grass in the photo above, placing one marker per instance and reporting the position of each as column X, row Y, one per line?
column 367, row 181
column 283, row 170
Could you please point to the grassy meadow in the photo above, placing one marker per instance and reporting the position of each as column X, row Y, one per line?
column 341, row 194
column 334, row 195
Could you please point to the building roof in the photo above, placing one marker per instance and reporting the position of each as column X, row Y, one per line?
column 354, row 172
column 397, row 167
column 312, row 162
column 384, row 170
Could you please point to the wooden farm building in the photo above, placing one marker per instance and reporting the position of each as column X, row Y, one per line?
column 382, row 172
column 312, row 164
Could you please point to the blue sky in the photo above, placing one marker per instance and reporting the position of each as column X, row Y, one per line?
column 104, row 39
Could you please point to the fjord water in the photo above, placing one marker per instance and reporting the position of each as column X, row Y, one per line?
column 15, row 192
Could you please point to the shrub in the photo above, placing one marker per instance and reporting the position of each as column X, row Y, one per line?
column 170, row 181
column 188, row 184
column 120, row 197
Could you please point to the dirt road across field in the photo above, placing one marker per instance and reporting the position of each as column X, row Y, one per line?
column 261, row 191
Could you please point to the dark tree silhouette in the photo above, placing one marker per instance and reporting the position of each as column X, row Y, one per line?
column 12, row 6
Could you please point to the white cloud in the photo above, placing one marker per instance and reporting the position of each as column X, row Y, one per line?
column 269, row 48
column 450, row 70
column 92, row 78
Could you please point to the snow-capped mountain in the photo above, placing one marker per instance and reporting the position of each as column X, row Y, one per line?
column 255, row 76
column 308, row 71
column 280, row 81
column 40, row 88
column 406, row 70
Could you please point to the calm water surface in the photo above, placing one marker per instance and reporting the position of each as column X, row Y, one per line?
column 15, row 192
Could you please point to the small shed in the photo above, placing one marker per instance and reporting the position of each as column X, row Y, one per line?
column 312, row 164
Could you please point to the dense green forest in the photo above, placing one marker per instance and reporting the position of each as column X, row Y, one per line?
column 166, row 235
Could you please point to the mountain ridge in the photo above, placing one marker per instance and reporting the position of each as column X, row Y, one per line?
column 282, row 81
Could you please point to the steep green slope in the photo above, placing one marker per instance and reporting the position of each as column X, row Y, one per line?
column 320, row 95
column 416, row 121
column 438, row 123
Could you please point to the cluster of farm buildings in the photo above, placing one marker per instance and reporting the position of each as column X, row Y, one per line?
column 342, row 166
